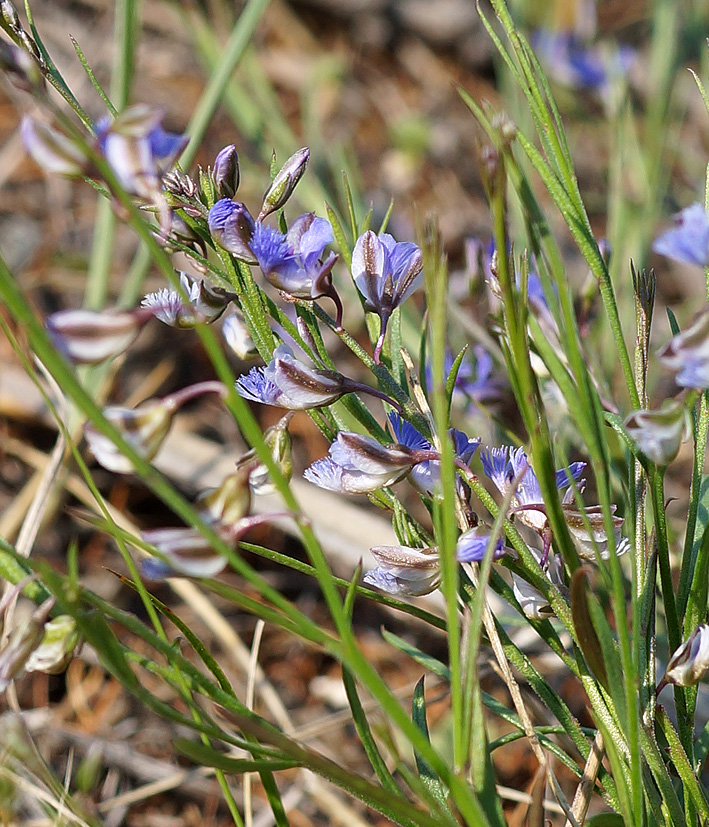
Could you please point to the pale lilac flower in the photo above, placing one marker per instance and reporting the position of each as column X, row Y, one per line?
column 691, row 660
column 87, row 337
column 658, row 434
column 687, row 353
column 51, row 149
column 532, row 602
column 404, row 571
column 232, row 228
column 688, row 240
column 386, row 272
column 503, row 465
column 138, row 150
column 588, row 531
column 204, row 303
column 426, row 475
column 296, row 262
column 358, row 464
column 288, row 383
column 473, row 544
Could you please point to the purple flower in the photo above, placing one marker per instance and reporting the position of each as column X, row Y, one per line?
column 287, row 383
column 503, row 465
column 204, row 304
column 578, row 65
column 688, row 240
column 473, row 544
column 425, row 475
column 404, row 571
column 232, row 227
column 691, row 660
column 358, row 464
column 296, row 263
column 138, row 149
column 476, row 382
column 386, row 272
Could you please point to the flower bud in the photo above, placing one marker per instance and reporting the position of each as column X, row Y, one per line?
column 405, row 571
column 687, row 353
column 87, row 337
column 59, row 641
column 280, row 442
column 51, row 149
column 659, row 434
column 23, row 640
column 232, row 227
column 691, row 660
column 226, row 505
column 285, row 182
column 585, row 541
column 226, row 172
column 237, row 336
column 144, row 428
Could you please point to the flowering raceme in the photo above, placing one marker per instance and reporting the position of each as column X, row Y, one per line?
column 386, row 272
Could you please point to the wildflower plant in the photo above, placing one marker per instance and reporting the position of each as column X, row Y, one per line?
column 569, row 535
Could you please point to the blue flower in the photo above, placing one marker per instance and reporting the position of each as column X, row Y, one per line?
column 688, row 240
column 296, row 263
column 473, row 544
column 426, row 475
column 503, row 465
column 386, row 272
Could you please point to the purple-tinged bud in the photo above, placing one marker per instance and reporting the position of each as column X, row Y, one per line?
column 659, row 434
column 405, row 571
column 226, row 172
column 472, row 546
column 144, row 428
column 23, row 640
column 88, row 337
column 204, row 303
column 51, row 149
column 691, row 660
column 280, row 443
column 588, row 540
column 59, row 642
column 687, row 354
column 232, row 227
column 237, row 336
column 285, row 182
